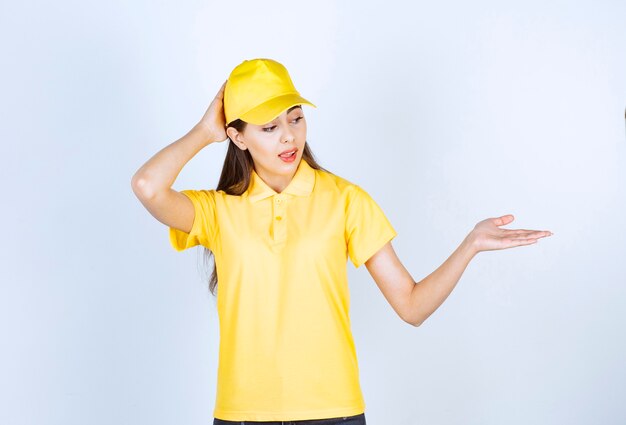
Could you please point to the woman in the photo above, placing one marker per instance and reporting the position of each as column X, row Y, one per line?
column 281, row 229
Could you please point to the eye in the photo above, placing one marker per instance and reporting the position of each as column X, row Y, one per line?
column 270, row 129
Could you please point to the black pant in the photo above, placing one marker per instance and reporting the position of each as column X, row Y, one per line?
column 345, row 420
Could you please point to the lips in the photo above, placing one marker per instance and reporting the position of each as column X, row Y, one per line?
column 288, row 153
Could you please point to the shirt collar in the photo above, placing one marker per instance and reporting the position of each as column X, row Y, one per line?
column 301, row 184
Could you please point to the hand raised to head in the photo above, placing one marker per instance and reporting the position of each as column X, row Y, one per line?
column 213, row 120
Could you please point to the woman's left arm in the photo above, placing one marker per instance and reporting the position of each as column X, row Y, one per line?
column 414, row 301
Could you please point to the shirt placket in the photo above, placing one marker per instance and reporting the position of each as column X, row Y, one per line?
column 279, row 219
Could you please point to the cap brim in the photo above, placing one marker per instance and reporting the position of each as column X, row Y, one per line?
column 272, row 108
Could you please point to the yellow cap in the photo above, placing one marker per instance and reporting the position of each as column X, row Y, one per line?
column 259, row 90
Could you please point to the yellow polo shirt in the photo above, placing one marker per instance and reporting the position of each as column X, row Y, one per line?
column 286, row 347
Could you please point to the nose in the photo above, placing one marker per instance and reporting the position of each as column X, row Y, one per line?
column 287, row 135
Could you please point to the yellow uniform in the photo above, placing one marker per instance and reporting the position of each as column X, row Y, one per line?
column 286, row 347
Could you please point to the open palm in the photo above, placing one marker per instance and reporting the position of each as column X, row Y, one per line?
column 487, row 234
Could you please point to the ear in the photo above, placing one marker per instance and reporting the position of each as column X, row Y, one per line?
column 236, row 137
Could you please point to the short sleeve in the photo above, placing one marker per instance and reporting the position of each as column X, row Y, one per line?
column 367, row 227
column 204, row 223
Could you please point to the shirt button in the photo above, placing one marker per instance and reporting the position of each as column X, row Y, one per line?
column 278, row 217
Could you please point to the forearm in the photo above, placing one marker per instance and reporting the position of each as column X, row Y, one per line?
column 428, row 294
column 160, row 171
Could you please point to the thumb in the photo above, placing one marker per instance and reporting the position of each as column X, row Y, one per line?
column 503, row 220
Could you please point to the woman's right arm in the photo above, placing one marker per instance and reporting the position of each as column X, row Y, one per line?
column 152, row 183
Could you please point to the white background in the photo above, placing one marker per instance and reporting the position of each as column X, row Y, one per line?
column 447, row 113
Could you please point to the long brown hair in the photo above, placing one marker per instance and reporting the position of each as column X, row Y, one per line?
column 235, row 179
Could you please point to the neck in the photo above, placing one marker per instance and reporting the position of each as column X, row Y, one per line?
column 278, row 182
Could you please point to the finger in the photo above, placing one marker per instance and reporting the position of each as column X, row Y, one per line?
column 520, row 230
column 522, row 241
column 540, row 233
column 524, row 232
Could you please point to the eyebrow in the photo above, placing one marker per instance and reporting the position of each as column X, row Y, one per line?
column 294, row 107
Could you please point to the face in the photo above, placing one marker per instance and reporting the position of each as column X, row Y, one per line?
column 266, row 142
